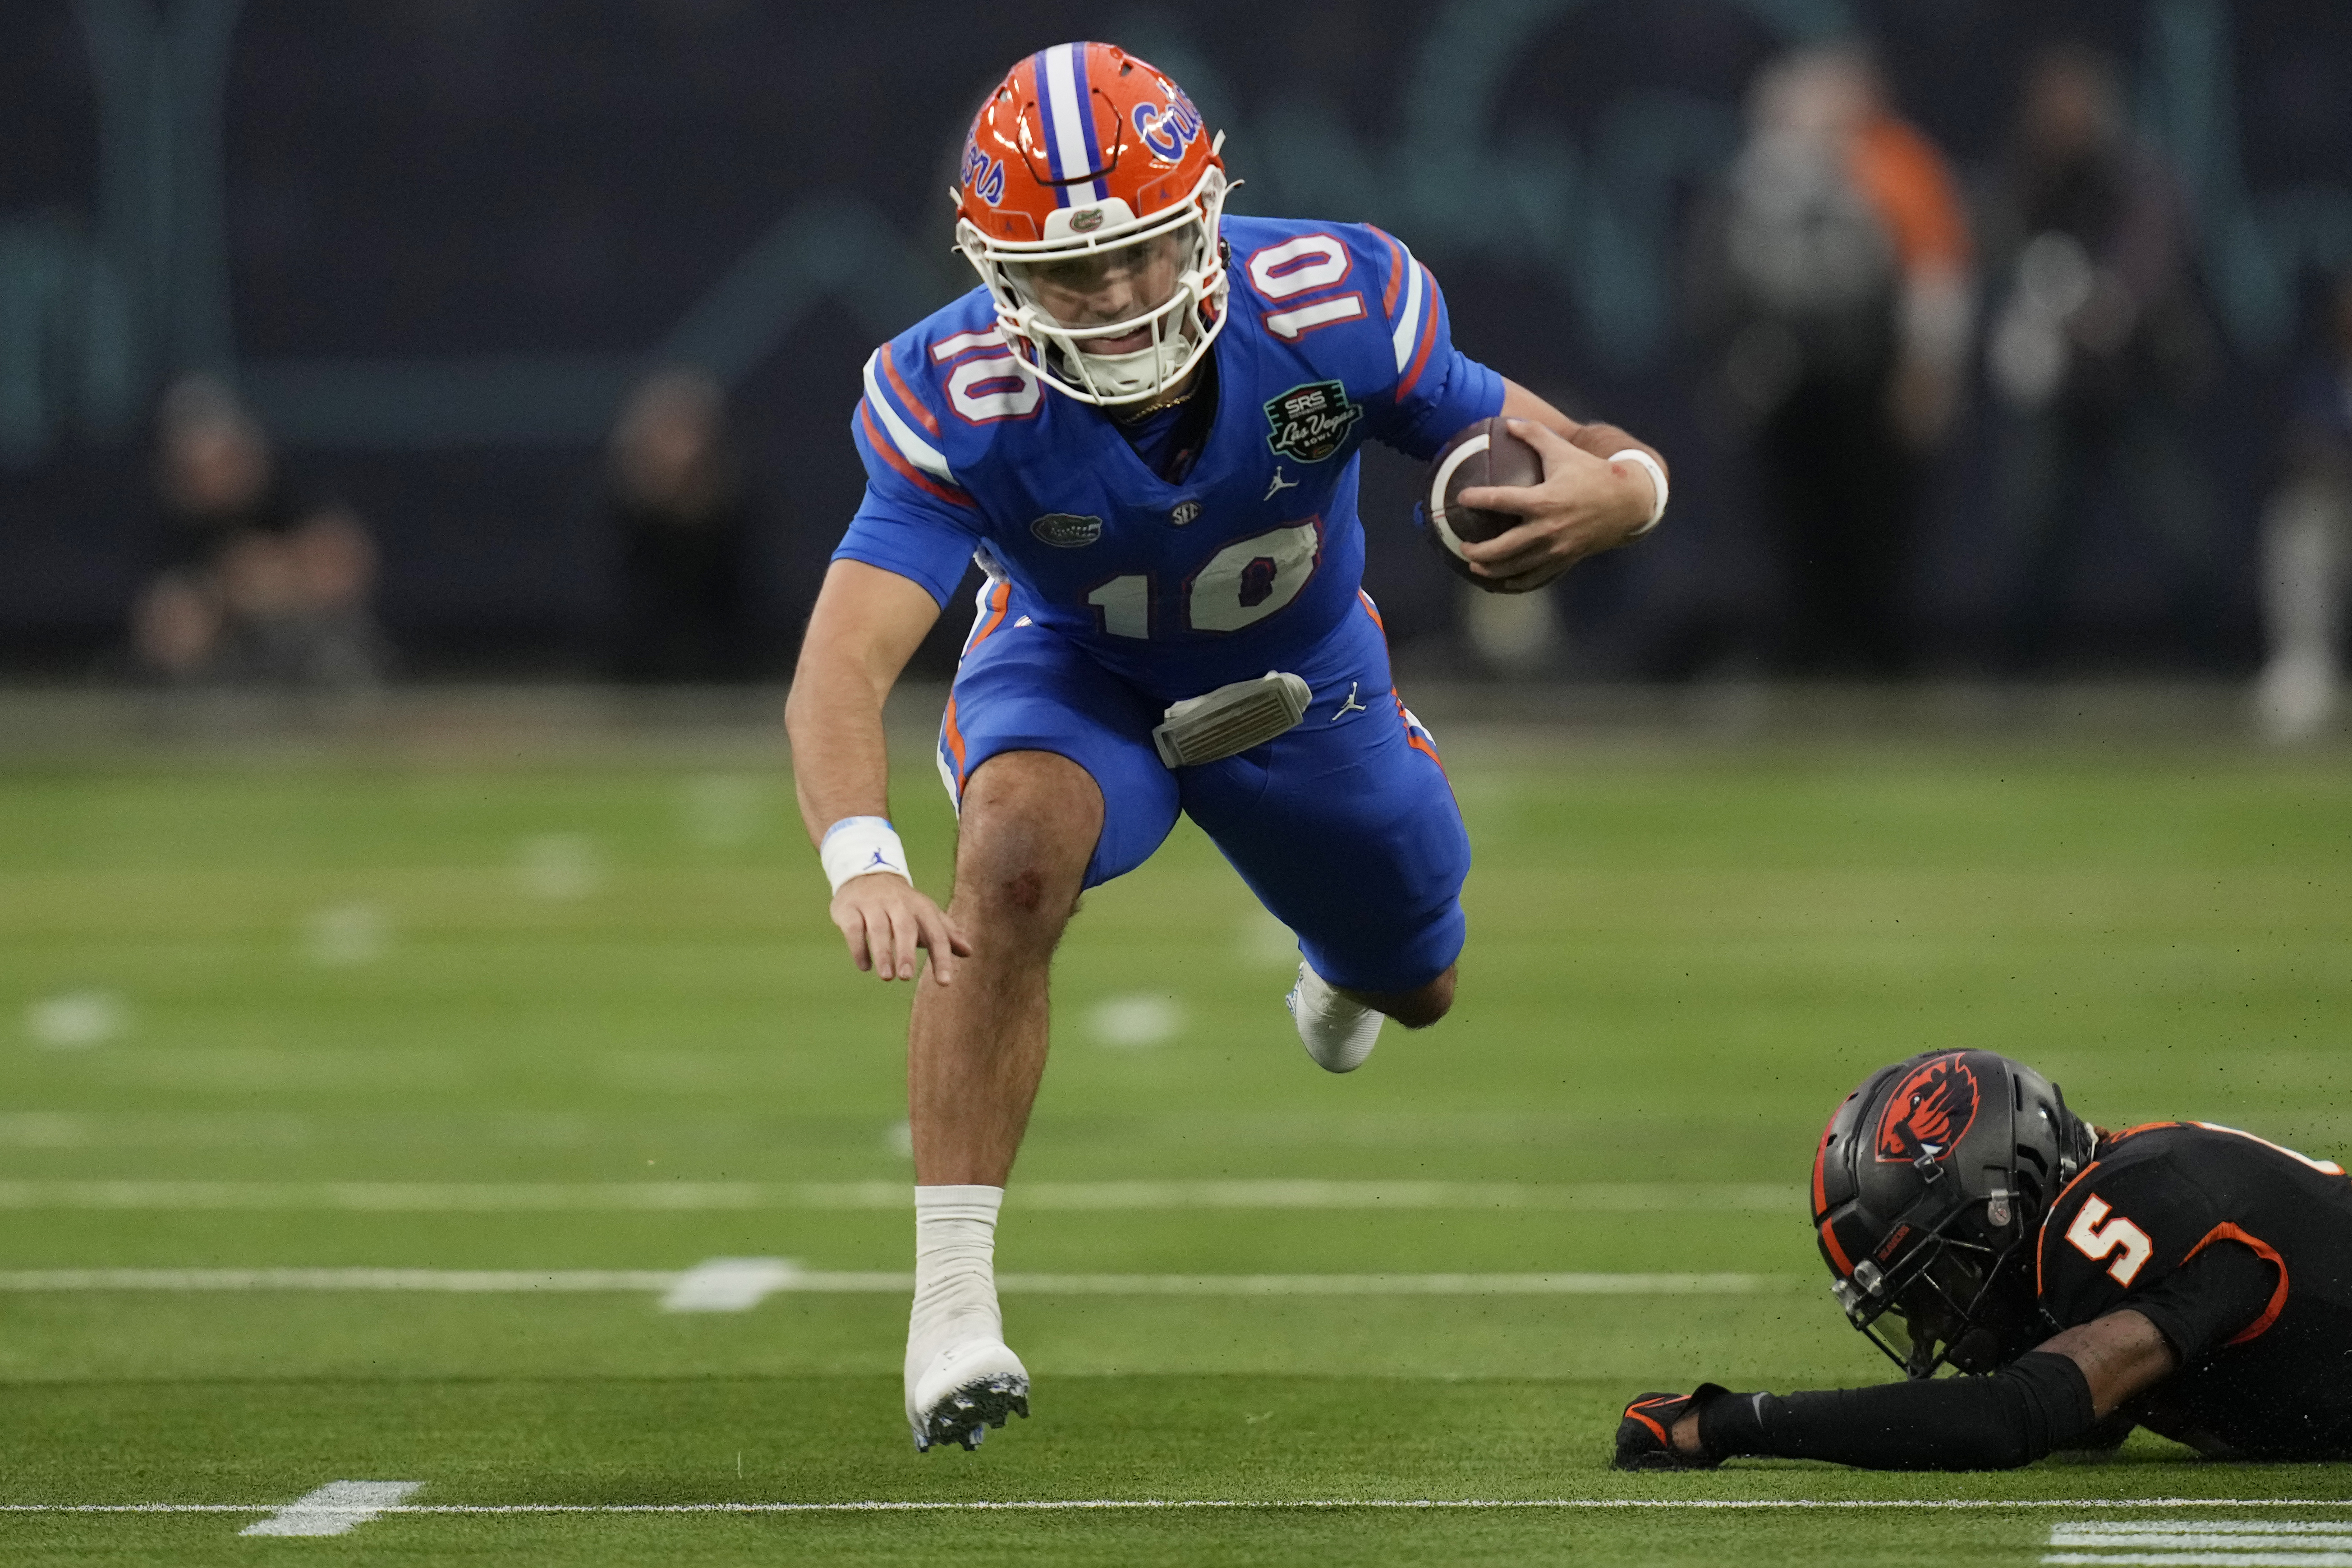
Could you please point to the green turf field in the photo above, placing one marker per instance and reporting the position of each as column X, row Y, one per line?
column 558, row 1034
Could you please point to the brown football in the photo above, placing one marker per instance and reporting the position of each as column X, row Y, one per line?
column 1485, row 454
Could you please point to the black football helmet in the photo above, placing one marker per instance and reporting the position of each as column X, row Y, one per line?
column 1929, row 1188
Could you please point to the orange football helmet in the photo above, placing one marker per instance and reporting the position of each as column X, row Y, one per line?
column 1086, row 164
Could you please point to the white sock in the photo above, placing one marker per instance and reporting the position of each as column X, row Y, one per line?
column 1338, row 1031
column 955, row 1272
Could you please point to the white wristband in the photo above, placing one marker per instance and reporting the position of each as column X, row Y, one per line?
column 1657, row 482
column 858, row 845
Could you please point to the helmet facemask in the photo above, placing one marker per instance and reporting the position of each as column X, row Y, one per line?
column 1947, row 1300
column 1177, row 248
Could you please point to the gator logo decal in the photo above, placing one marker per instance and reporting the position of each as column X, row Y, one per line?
column 1065, row 531
column 1931, row 1111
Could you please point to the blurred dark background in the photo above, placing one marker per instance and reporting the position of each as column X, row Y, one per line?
column 434, row 248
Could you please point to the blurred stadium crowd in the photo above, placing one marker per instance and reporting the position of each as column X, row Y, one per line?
column 1982, row 346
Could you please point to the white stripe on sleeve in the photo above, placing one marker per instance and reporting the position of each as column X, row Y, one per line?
column 919, row 452
column 1409, row 323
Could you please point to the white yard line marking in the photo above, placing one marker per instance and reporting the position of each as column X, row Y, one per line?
column 737, row 1284
column 461, row 1281
column 728, row 1284
column 491, row 1197
column 2132, row 1533
column 1390, row 1284
column 2209, row 1559
column 336, row 1509
column 2213, row 1543
column 1158, row 1504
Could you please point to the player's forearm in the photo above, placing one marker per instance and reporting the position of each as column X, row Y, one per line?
column 1608, row 440
column 865, row 626
column 1603, row 441
column 840, row 764
column 2020, row 1413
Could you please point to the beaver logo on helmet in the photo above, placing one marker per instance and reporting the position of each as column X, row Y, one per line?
column 1929, row 1112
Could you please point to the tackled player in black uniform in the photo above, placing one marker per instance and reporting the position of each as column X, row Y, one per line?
column 2178, row 1276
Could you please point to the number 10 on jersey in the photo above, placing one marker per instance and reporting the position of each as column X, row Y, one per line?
column 1245, row 582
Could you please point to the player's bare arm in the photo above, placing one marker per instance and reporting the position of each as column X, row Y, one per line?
column 1588, row 503
column 2121, row 1355
column 867, row 625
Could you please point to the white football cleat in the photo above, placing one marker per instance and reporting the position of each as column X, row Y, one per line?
column 967, row 1387
column 1337, row 1031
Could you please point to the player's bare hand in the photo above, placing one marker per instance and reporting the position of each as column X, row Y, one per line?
column 1584, row 506
column 884, row 919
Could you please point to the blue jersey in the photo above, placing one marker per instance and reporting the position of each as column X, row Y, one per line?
column 1335, row 334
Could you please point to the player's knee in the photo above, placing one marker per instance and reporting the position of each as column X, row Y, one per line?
column 1420, row 1007
column 1029, row 825
column 1007, row 883
column 1024, row 890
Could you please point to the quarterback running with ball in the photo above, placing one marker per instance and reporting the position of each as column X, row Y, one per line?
column 1143, row 427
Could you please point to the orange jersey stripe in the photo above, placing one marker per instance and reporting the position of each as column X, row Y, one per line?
column 954, row 734
column 923, row 415
column 1397, row 265
column 998, row 598
column 1415, row 738
column 2226, row 1231
column 2041, row 1236
column 1428, row 339
column 907, row 470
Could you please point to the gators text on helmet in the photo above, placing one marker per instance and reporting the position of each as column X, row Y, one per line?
column 1085, row 154
column 1930, row 1187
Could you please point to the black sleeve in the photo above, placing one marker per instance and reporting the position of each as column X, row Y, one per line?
column 2038, row 1402
column 2218, row 1293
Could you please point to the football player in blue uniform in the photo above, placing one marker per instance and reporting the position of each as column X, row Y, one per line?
column 1143, row 426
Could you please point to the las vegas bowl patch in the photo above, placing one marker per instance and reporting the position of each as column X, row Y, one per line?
column 1310, row 422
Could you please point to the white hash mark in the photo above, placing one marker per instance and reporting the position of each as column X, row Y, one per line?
column 730, row 1284
column 336, row 1509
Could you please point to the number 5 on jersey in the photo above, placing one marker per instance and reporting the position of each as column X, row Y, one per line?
column 2094, row 1236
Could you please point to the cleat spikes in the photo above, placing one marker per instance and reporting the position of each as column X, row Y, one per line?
column 968, row 1389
